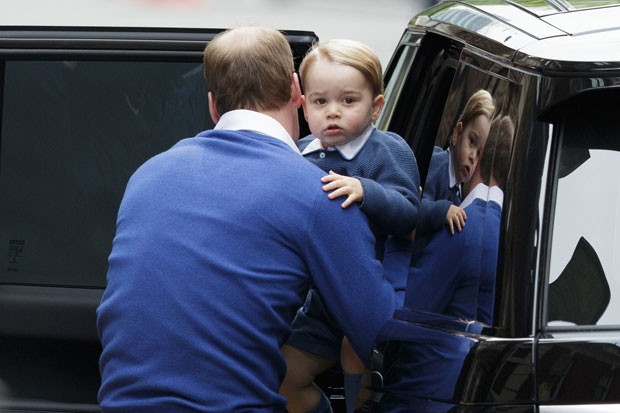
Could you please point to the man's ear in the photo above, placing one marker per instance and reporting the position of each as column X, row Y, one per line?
column 455, row 134
column 303, row 105
column 377, row 106
column 296, row 91
column 215, row 116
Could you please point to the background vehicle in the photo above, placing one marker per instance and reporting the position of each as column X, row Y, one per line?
column 81, row 109
column 554, row 68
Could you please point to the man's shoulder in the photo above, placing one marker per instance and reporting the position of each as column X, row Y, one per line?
column 477, row 206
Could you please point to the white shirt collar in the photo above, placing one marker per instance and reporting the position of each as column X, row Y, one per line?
column 482, row 191
column 496, row 195
column 243, row 119
column 348, row 151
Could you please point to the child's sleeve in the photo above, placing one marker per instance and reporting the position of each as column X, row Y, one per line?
column 435, row 202
column 391, row 188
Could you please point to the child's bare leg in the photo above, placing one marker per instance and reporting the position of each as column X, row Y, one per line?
column 353, row 369
column 298, row 386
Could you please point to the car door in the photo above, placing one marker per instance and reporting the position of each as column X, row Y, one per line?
column 81, row 109
column 578, row 353
column 449, row 360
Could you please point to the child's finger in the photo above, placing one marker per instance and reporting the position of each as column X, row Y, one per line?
column 458, row 224
column 331, row 176
column 347, row 202
column 338, row 193
column 333, row 185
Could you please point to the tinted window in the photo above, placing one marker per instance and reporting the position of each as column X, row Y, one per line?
column 72, row 134
column 470, row 294
column 584, row 273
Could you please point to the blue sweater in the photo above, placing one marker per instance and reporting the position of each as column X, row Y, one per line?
column 217, row 242
column 437, row 195
column 388, row 171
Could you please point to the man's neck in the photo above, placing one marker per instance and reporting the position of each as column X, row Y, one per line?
column 287, row 117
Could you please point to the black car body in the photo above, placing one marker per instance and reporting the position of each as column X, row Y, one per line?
column 81, row 109
column 553, row 67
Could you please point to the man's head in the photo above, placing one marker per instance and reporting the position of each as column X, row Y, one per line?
column 249, row 68
column 496, row 154
column 343, row 90
column 470, row 134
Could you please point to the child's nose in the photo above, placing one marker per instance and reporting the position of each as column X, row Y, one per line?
column 333, row 110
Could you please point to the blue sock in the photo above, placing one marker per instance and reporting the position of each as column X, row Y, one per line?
column 352, row 385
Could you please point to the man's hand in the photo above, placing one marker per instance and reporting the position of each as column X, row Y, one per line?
column 341, row 185
column 455, row 218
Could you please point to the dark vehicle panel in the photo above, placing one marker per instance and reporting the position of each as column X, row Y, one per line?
column 81, row 109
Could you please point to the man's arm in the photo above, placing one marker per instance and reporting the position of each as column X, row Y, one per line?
column 340, row 258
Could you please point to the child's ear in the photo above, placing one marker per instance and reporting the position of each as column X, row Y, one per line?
column 456, row 133
column 377, row 106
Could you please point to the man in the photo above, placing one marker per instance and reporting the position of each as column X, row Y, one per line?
column 217, row 242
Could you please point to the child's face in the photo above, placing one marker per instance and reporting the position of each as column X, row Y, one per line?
column 467, row 144
column 338, row 102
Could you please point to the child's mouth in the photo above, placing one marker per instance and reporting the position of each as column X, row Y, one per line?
column 333, row 130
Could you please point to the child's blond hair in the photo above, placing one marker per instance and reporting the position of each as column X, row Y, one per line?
column 350, row 53
column 480, row 103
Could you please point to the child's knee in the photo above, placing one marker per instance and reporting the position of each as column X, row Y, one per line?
column 349, row 360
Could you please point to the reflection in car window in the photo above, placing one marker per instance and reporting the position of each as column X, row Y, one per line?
column 584, row 274
column 464, row 120
column 72, row 134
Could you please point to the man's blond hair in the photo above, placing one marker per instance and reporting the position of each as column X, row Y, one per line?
column 249, row 68
column 349, row 53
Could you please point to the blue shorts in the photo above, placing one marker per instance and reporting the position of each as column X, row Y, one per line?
column 314, row 329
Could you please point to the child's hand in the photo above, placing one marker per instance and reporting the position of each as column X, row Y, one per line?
column 455, row 218
column 342, row 185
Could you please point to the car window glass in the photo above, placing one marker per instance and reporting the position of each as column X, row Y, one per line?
column 395, row 80
column 72, row 134
column 584, row 271
column 455, row 275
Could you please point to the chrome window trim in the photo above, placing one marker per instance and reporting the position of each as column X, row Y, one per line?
column 585, row 408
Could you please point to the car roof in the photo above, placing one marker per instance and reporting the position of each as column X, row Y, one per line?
column 544, row 34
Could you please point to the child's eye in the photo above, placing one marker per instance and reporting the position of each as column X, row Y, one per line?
column 348, row 101
column 320, row 101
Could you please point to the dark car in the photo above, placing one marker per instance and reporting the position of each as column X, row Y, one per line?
column 552, row 343
column 81, row 109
